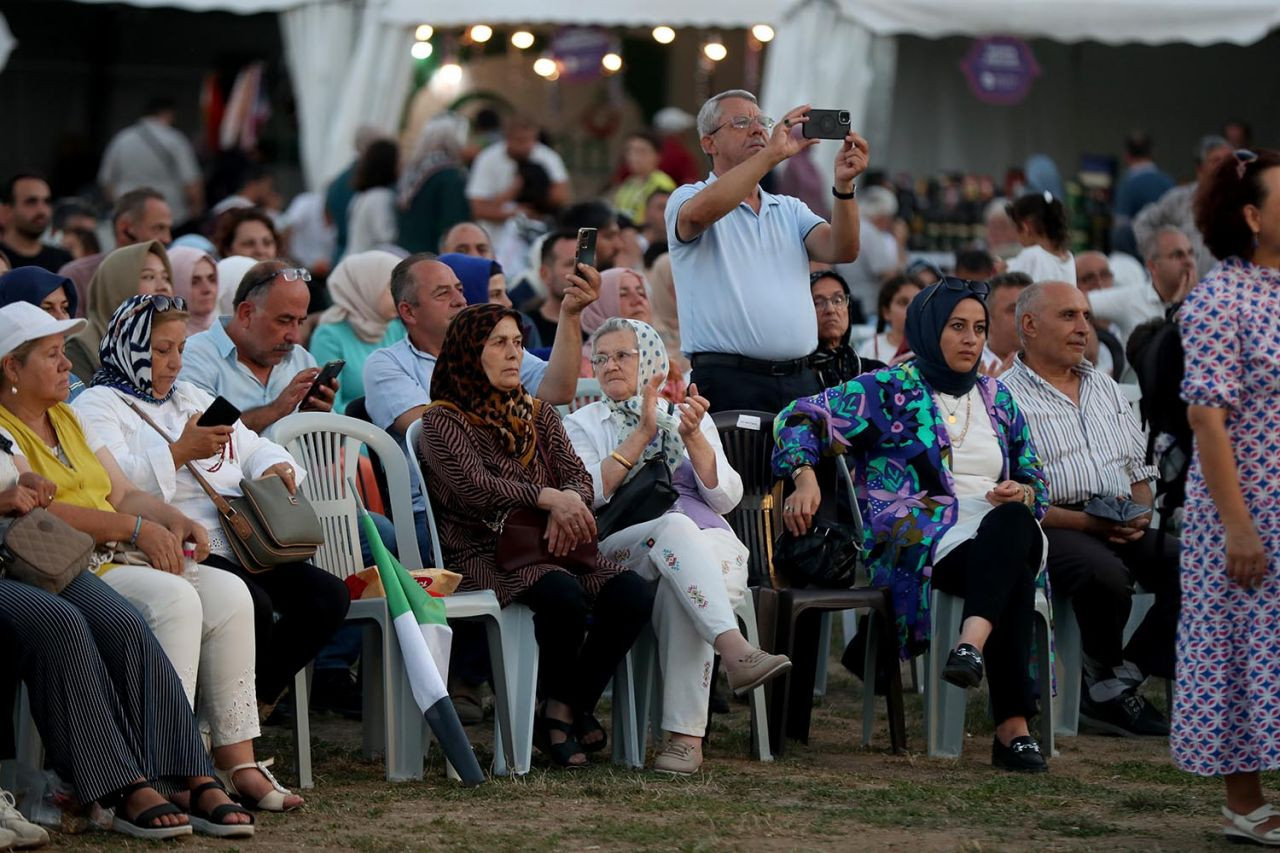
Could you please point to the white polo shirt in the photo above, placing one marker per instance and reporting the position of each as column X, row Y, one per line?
column 742, row 286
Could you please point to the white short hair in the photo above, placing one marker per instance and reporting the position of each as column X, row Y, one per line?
column 709, row 115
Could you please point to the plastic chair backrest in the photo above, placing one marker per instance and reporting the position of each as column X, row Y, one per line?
column 747, row 437
column 357, row 409
column 588, row 392
column 327, row 446
column 411, row 442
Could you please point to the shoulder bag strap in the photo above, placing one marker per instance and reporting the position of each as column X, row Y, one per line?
column 226, row 510
column 541, row 447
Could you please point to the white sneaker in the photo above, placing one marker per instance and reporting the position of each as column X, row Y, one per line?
column 24, row 834
column 7, row 839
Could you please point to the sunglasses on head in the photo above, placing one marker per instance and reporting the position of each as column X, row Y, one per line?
column 957, row 285
column 162, row 302
column 1243, row 158
column 288, row 274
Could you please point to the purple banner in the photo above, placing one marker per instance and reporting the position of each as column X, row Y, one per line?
column 579, row 50
column 1000, row 69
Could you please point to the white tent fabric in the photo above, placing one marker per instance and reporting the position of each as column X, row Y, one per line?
column 348, row 69
column 619, row 13
column 241, row 7
column 7, row 42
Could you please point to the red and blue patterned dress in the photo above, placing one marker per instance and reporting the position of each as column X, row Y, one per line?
column 1226, row 711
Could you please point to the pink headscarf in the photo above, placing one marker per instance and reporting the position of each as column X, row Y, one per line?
column 183, row 259
column 610, row 303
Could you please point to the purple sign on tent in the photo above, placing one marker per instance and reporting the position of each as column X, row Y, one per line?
column 579, row 50
column 1000, row 69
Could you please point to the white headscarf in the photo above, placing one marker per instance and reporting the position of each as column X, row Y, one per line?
column 356, row 285
column 230, row 271
column 627, row 414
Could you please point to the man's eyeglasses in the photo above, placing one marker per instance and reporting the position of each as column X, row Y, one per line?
column 622, row 356
column 288, row 274
column 743, row 122
column 1243, row 158
column 838, row 301
column 957, row 285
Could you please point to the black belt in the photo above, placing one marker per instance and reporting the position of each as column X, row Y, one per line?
column 750, row 365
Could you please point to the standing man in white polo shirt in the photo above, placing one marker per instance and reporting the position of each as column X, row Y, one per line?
column 740, row 257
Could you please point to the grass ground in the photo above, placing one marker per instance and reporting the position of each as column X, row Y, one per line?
column 1101, row 793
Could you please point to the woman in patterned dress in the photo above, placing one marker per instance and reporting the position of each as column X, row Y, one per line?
column 1226, row 711
column 487, row 448
column 953, row 489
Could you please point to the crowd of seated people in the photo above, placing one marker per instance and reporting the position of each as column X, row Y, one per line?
column 979, row 431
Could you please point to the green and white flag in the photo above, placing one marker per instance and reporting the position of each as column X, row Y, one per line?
column 425, row 639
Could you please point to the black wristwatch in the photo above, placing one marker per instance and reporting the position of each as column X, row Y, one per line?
column 845, row 196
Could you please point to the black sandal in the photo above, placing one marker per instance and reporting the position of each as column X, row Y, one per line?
column 562, row 752
column 585, row 724
column 211, row 822
column 139, row 826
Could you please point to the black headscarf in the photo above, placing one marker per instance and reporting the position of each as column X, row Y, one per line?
column 925, row 323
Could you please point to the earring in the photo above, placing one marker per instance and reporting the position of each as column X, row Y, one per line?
column 13, row 389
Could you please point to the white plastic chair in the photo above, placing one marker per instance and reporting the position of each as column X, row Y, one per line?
column 328, row 446
column 945, row 703
column 513, row 651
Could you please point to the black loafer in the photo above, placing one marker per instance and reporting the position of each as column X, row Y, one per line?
column 1022, row 755
column 964, row 667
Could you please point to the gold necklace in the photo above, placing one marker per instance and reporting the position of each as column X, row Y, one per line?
column 951, row 413
column 958, row 441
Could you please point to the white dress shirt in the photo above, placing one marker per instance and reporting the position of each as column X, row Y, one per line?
column 146, row 461
column 594, row 436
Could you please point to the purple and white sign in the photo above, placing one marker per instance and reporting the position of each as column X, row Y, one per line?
column 1000, row 69
column 579, row 51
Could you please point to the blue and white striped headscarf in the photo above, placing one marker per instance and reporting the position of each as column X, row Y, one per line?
column 125, row 351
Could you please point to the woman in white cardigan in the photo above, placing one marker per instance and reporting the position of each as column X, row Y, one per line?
column 699, row 564
column 295, row 608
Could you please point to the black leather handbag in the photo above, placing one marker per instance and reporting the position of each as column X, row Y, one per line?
column 643, row 498
column 826, row 557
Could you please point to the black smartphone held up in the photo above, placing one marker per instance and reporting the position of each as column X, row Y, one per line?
column 219, row 413
column 586, row 252
column 827, row 124
column 328, row 373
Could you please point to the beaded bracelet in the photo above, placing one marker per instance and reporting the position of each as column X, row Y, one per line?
column 137, row 528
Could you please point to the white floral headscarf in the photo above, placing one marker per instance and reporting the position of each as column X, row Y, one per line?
column 627, row 414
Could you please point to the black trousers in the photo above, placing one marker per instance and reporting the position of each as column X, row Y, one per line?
column 996, row 573
column 578, row 660
column 107, row 703
column 311, row 604
column 1098, row 577
column 729, row 388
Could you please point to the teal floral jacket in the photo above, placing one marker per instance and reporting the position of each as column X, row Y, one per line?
column 901, row 453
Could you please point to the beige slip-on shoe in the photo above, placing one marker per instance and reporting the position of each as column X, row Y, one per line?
column 755, row 669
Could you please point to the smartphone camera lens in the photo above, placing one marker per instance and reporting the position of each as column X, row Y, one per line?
column 844, row 117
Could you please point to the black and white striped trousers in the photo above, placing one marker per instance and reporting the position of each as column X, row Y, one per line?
column 108, row 705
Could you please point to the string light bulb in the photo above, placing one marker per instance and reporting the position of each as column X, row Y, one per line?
column 664, row 35
column 545, row 67
column 449, row 74
column 715, row 50
column 763, row 33
column 611, row 62
column 522, row 39
column 421, row 49
column 424, row 32
column 481, row 33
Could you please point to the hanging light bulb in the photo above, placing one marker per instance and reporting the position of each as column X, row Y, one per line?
column 481, row 33
column 424, row 32
column 714, row 49
column 664, row 35
column 763, row 33
column 545, row 67
column 449, row 74
column 421, row 49
column 611, row 62
column 522, row 39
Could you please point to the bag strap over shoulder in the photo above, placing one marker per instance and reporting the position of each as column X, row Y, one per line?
column 228, row 512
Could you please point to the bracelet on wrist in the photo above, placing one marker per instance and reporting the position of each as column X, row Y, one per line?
column 796, row 473
column 621, row 460
column 137, row 529
column 852, row 193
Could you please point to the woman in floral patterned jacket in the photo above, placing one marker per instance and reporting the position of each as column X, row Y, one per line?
column 950, row 480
